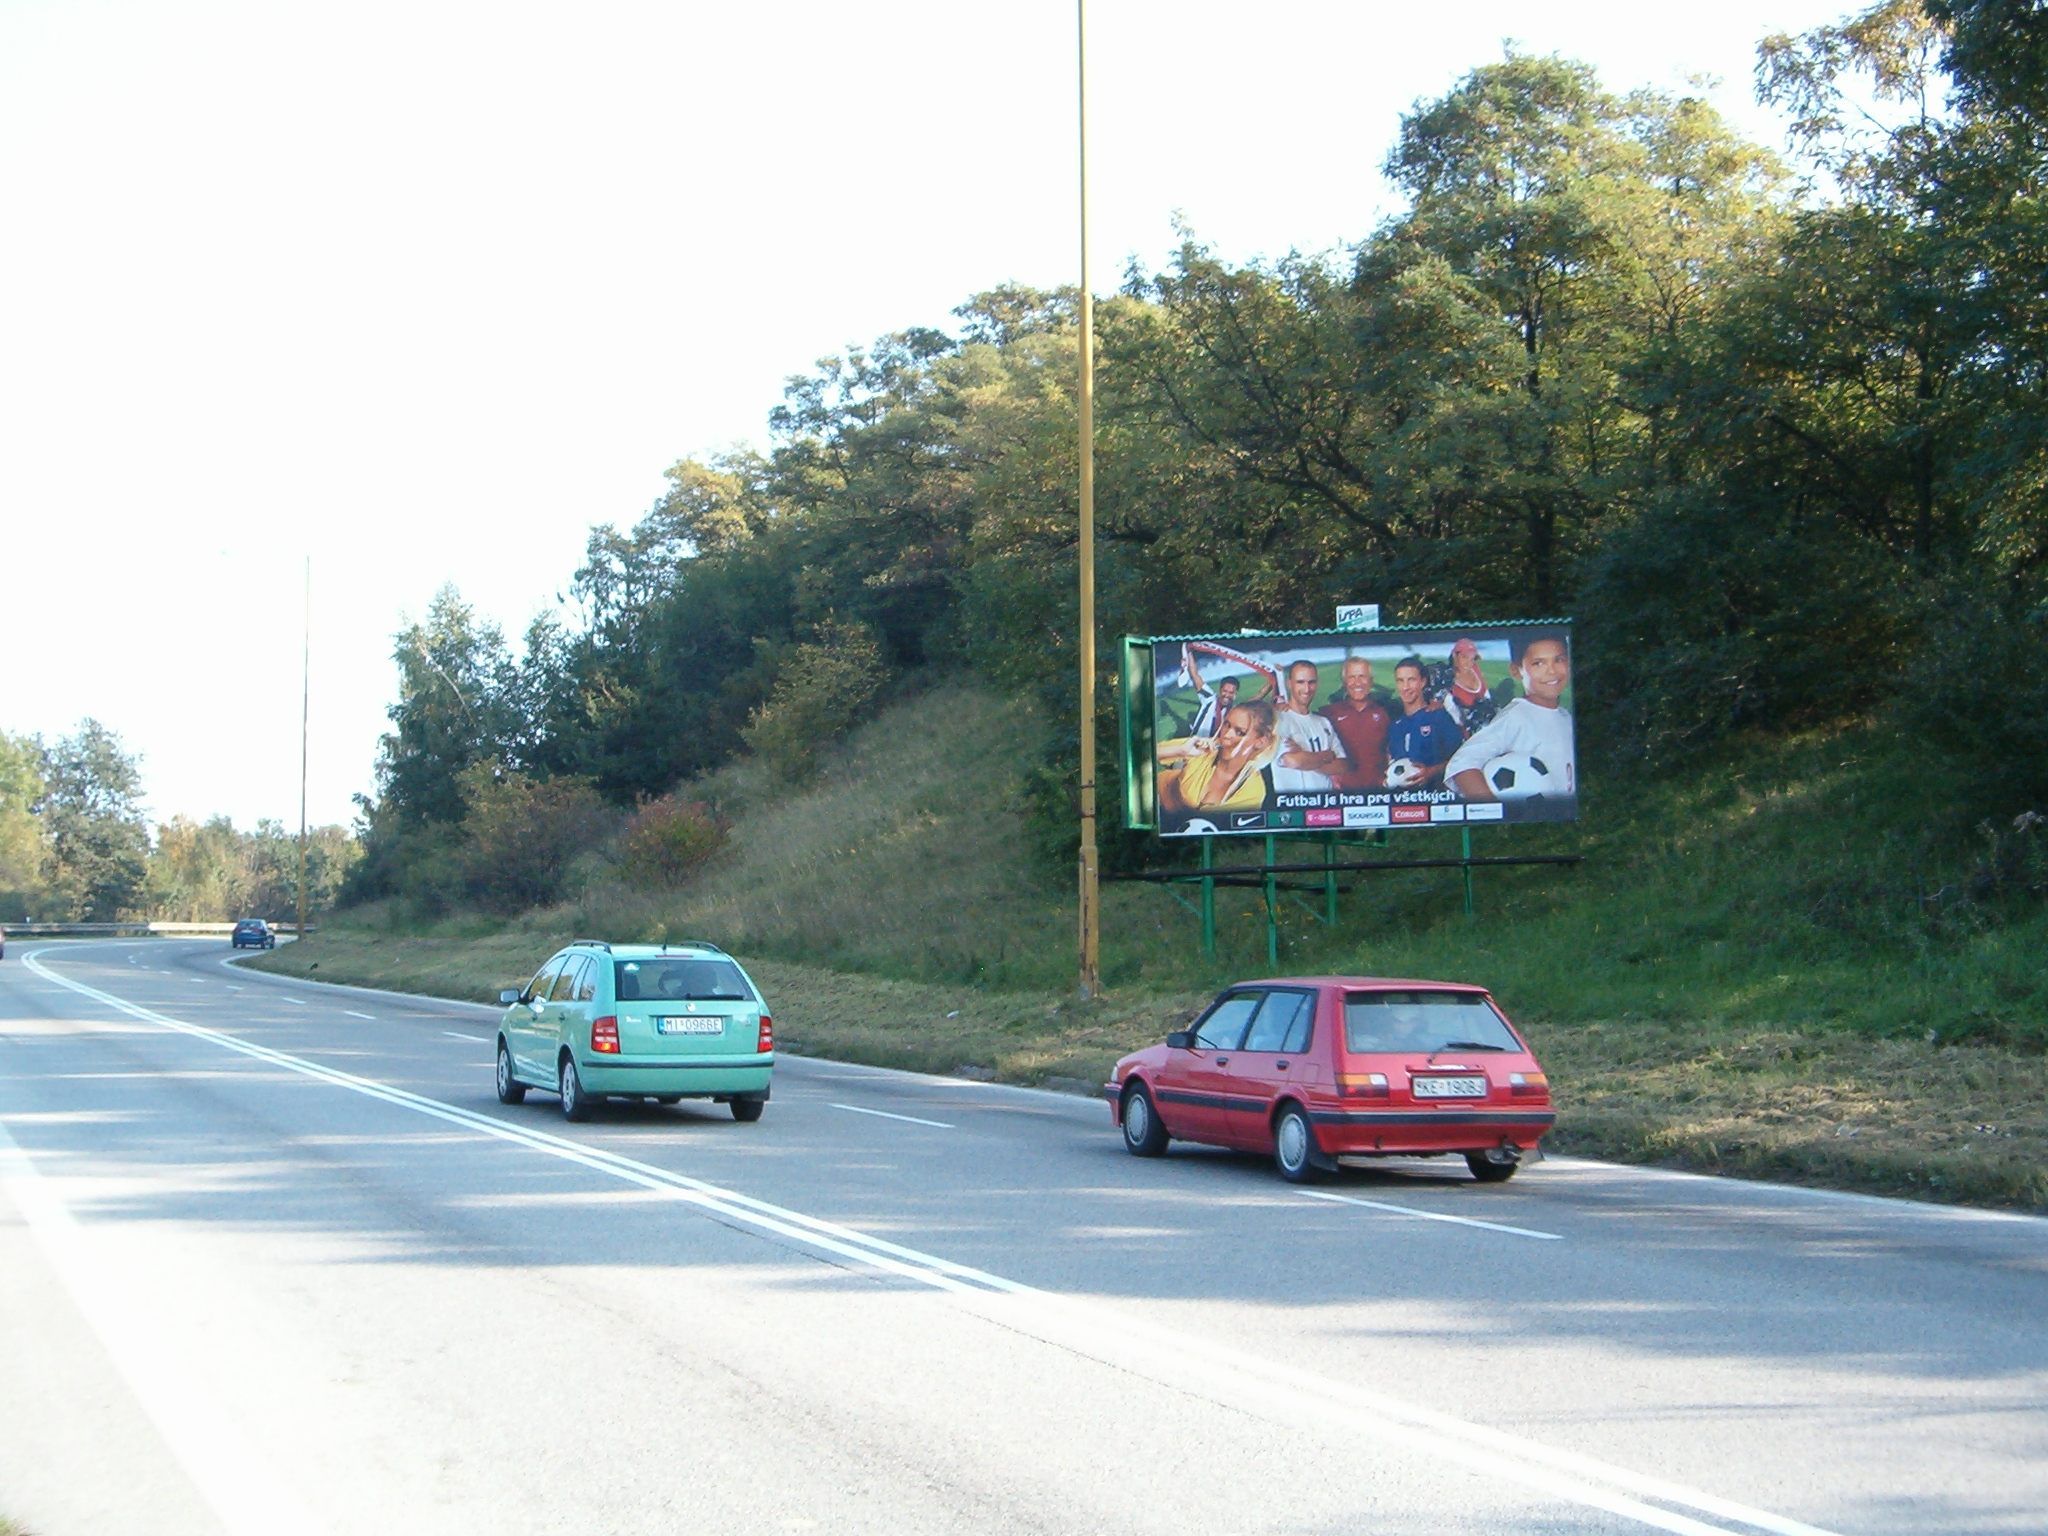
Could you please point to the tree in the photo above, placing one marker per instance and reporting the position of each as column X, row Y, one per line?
column 25, row 853
column 98, row 837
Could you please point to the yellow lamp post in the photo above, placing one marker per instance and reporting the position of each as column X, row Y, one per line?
column 1090, row 946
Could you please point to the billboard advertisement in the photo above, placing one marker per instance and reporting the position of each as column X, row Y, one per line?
column 1329, row 730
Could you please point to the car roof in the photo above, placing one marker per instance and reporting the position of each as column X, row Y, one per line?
column 1358, row 983
column 673, row 951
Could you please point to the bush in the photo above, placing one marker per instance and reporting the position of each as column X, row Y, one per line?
column 520, row 835
column 665, row 839
column 1981, row 693
column 821, row 688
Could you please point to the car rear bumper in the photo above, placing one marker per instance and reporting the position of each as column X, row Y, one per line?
column 669, row 1075
column 1345, row 1132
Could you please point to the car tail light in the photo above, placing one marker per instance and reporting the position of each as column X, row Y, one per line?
column 1528, row 1085
column 767, row 1040
column 604, row 1035
column 1362, row 1085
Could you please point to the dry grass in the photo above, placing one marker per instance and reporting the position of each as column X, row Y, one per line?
column 1967, row 1123
column 819, row 874
column 470, row 969
column 1963, row 1123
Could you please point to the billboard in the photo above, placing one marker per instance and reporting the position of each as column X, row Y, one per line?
column 1317, row 731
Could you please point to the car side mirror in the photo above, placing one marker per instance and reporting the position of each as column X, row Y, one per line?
column 508, row 997
column 1181, row 1040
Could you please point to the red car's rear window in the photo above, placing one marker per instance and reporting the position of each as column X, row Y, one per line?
column 1402, row 1022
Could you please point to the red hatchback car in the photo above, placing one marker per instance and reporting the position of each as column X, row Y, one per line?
column 1315, row 1068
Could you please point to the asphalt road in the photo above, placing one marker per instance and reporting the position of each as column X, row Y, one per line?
column 273, row 1259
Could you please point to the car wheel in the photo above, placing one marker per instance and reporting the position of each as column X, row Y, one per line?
column 747, row 1109
column 1294, row 1147
column 510, row 1089
column 1144, row 1132
column 1487, row 1171
column 576, row 1104
column 668, row 1098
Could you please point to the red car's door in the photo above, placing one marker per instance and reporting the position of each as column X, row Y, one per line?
column 1193, row 1087
column 1268, row 1061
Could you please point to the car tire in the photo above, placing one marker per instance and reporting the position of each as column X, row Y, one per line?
column 1144, row 1132
column 510, row 1089
column 668, row 1098
column 576, row 1104
column 1294, row 1147
column 1487, row 1171
column 747, row 1109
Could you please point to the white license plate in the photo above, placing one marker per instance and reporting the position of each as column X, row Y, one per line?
column 690, row 1026
column 1449, row 1087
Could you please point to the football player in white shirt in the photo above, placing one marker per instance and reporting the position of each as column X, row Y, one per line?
column 1532, row 725
column 1309, row 747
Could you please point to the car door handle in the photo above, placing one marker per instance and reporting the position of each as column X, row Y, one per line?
column 1281, row 1065
column 1222, row 1061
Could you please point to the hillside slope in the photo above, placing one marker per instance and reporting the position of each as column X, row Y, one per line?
column 1778, row 963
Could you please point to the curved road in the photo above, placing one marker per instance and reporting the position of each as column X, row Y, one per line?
column 273, row 1259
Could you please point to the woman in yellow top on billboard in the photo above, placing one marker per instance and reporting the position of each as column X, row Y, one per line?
column 1223, row 772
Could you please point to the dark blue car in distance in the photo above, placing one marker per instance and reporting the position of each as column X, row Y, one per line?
column 253, row 933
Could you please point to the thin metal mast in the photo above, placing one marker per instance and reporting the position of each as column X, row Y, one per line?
column 1091, row 972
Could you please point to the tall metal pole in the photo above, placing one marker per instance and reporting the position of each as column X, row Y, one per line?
column 1091, row 970
column 305, row 716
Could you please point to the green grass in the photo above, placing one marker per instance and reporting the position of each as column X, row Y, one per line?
column 1768, row 965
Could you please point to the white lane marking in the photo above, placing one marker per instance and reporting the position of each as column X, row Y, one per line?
column 452, row 1034
column 233, row 988
column 197, row 981
column 354, row 1015
column 855, row 1109
column 1409, row 1210
column 1114, row 1337
column 299, row 1002
column 1881, row 1205
column 244, row 1490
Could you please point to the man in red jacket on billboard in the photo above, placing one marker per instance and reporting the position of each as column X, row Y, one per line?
column 1361, row 726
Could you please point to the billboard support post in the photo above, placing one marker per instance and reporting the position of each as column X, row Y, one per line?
column 1090, row 916
column 1465, row 834
column 1208, row 900
column 1330, row 879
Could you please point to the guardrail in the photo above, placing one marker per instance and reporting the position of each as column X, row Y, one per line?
column 136, row 930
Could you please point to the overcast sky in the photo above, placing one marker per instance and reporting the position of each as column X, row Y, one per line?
column 423, row 290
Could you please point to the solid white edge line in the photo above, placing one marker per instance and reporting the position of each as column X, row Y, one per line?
column 243, row 1489
column 1409, row 1210
column 454, row 1034
column 1099, row 1334
column 883, row 1114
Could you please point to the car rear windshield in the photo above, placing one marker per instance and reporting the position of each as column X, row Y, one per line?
column 1423, row 1021
column 698, row 981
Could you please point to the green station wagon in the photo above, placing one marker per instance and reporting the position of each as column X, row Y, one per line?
column 641, row 1021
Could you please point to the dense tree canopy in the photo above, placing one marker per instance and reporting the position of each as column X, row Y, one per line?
column 1774, row 429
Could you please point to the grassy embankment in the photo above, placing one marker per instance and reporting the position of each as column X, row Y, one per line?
column 1761, row 968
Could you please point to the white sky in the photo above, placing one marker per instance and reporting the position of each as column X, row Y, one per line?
column 425, row 289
